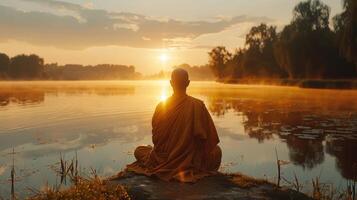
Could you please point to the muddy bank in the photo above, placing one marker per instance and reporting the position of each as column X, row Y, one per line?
column 222, row 187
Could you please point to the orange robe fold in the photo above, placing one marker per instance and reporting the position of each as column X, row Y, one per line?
column 185, row 142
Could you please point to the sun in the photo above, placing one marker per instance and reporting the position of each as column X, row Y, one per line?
column 164, row 57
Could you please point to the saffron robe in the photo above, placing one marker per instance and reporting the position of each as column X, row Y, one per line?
column 185, row 142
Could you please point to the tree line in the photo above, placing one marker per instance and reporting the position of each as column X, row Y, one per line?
column 196, row 72
column 21, row 67
column 89, row 72
column 32, row 67
column 307, row 48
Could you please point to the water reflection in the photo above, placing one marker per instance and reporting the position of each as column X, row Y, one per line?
column 305, row 152
column 304, row 120
column 346, row 159
column 21, row 97
column 34, row 93
column 105, row 120
column 42, row 120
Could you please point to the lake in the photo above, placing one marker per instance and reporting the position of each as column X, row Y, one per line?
column 314, row 131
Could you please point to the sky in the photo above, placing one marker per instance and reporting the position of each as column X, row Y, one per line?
column 152, row 35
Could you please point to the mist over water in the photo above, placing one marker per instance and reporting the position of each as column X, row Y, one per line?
column 103, row 121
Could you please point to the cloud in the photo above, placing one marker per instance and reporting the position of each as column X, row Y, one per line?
column 89, row 27
column 57, row 4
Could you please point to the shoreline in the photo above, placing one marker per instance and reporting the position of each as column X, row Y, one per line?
column 344, row 84
column 349, row 84
column 221, row 186
column 127, row 185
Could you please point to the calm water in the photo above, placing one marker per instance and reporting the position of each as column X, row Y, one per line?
column 315, row 130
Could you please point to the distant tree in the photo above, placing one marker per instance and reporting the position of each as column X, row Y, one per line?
column 258, row 59
column 345, row 25
column 311, row 15
column 261, row 37
column 219, row 57
column 236, row 68
column 338, row 23
column 306, row 48
column 26, row 67
column 4, row 64
column 89, row 72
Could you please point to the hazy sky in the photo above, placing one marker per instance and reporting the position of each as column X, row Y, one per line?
column 134, row 32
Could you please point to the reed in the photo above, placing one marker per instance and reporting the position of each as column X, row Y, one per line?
column 320, row 191
column 68, row 168
column 12, row 176
column 316, row 186
column 296, row 183
column 63, row 169
column 84, row 187
column 354, row 182
column 279, row 167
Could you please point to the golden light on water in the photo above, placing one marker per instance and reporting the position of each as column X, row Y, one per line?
column 164, row 93
column 163, row 97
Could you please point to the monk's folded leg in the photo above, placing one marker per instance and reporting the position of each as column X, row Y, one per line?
column 215, row 159
column 142, row 153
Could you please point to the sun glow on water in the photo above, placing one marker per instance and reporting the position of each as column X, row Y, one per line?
column 163, row 97
column 164, row 94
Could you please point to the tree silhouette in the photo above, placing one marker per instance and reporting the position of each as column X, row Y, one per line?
column 219, row 57
column 4, row 64
column 346, row 25
column 261, row 37
column 305, row 49
column 97, row 72
column 258, row 59
column 26, row 67
column 311, row 15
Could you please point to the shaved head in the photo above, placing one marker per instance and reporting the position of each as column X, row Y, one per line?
column 179, row 80
column 179, row 74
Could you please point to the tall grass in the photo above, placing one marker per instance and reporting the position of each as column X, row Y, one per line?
column 320, row 190
column 278, row 163
column 86, row 187
column 12, row 176
column 89, row 187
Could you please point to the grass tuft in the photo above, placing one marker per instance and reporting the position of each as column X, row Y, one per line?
column 85, row 189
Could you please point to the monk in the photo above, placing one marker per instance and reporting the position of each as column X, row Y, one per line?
column 184, row 137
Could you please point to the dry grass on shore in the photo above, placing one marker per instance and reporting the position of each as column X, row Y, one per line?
column 84, row 189
column 95, row 188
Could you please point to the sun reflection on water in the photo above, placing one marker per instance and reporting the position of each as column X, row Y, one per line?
column 163, row 97
column 164, row 94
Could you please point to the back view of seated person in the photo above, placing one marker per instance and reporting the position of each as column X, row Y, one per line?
column 184, row 137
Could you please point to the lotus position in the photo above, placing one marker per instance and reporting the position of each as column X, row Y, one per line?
column 184, row 137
